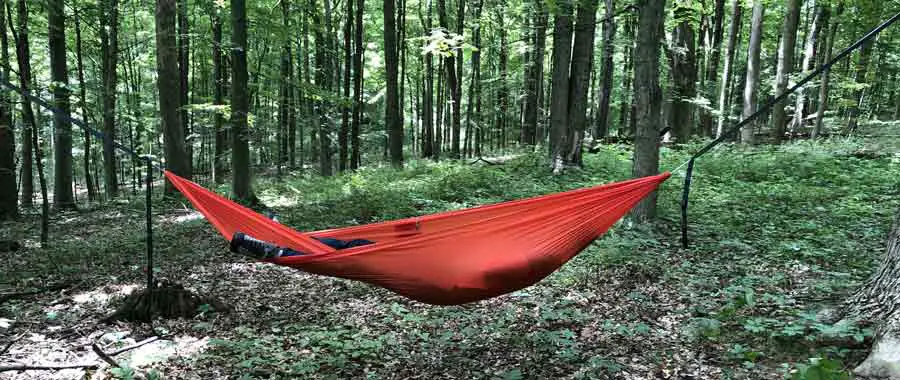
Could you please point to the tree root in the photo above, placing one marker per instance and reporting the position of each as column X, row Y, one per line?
column 167, row 301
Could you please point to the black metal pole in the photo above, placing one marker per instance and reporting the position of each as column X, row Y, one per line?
column 150, row 284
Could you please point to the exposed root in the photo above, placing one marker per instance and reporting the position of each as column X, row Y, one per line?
column 167, row 301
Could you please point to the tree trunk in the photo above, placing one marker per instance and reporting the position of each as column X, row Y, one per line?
column 712, row 66
column 284, row 100
column 218, row 100
column 601, row 120
column 357, row 85
column 751, row 86
column 473, row 120
column 625, row 105
column 109, row 54
column 728, row 70
column 580, row 79
column 324, row 78
column 785, row 67
column 862, row 69
column 82, row 87
column 63, row 197
column 877, row 302
column 9, row 202
column 169, row 87
column 23, row 57
column 392, row 106
column 559, row 105
column 826, row 75
column 347, row 104
column 809, row 51
column 648, row 99
column 184, row 66
column 534, row 75
column 502, row 85
column 452, row 87
column 682, row 60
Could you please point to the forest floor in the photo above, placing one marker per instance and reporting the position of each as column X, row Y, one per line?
column 777, row 233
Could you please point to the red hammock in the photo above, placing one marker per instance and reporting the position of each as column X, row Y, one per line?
column 448, row 258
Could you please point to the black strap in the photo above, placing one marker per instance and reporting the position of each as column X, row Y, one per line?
column 765, row 108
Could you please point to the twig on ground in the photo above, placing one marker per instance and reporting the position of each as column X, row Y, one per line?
column 16, row 295
column 133, row 346
column 9, row 345
column 47, row 367
column 104, row 356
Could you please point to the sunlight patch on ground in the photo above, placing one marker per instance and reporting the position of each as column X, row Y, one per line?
column 103, row 294
column 278, row 200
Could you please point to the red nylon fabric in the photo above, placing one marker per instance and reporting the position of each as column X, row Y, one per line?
column 448, row 258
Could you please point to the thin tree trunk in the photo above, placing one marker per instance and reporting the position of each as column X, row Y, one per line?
column 601, row 125
column 809, row 51
column 473, row 120
column 450, row 74
column 580, row 79
column 357, row 85
column 535, row 74
column 648, row 99
column 345, row 109
column 683, row 65
column 728, row 70
column 751, row 86
column 712, row 66
column 785, row 66
column 82, row 87
column 218, row 100
column 502, row 85
column 826, row 75
column 169, row 88
column 392, row 106
column 862, row 69
column 23, row 59
column 63, row 197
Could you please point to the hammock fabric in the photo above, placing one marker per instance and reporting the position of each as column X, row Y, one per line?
column 448, row 258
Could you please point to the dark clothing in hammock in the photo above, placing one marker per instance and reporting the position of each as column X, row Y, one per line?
column 241, row 243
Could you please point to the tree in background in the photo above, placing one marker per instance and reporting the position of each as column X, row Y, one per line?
column 169, row 89
column 392, row 103
column 9, row 193
column 751, row 85
column 62, row 169
column 682, row 61
column 109, row 46
column 648, row 99
column 785, row 66
column 240, row 103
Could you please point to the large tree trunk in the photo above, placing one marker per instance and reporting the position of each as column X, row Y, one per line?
column 169, row 90
column 878, row 302
column 559, row 82
column 82, row 87
column 8, row 191
column 601, row 124
column 728, row 70
column 751, row 85
column 580, row 79
column 648, row 99
column 219, row 100
column 392, row 104
column 785, row 66
column 109, row 46
column 23, row 58
column 184, row 66
column 357, row 85
column 56, row 37
column 682, row 59
column 809, row 52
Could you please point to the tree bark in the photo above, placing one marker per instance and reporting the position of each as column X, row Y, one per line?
column 580, row 78
column 346, row 106
column 682, row 60
column 559, row 82
column 82, row 87
column 751, row 85
column 184, row 66
column 502, row 85
column 63, row 197
column 109, row 54
column 392, row 106
column 169, row 88
column 452, row 87
column 240, row 104
column 601, row 124
column 9, row 203
column 809, row 52
column 534, row 75
column 728, row 70
column 218, row 100
column 648, row 99
column 473, row 120
column 712, row 66
column 23, row 58
column 357, row 85
column 785, row 67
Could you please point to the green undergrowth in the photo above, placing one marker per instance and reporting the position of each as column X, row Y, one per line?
column 776, row 234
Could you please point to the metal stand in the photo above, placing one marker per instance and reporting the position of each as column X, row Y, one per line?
column 148, row 206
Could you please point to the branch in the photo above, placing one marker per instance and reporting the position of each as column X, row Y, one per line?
column 133, row 346
column 48, row 367
column 104, row 356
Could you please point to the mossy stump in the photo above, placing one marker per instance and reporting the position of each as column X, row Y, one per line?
column 167, row 301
